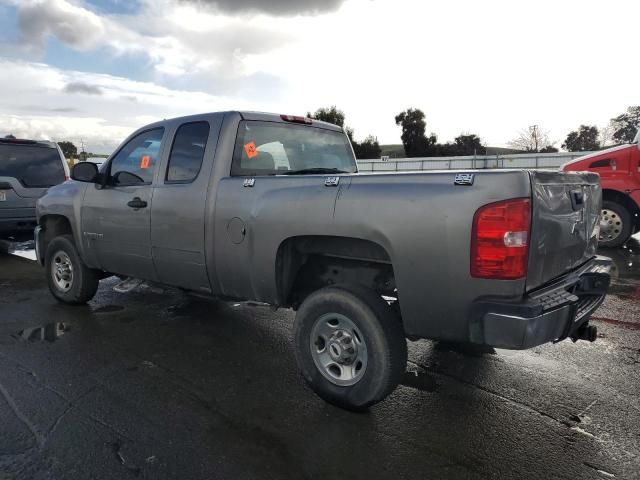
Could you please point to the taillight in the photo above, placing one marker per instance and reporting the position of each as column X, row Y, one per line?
column 296, row 119
column 500, row 240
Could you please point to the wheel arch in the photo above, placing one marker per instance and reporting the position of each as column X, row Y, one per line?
column 53, row 225
column 307, row 263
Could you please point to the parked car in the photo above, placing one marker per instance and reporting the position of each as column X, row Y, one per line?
column 27, row 169
column 619, row 169
column 271, row 208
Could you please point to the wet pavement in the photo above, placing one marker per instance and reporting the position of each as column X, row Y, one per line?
column 158, row 384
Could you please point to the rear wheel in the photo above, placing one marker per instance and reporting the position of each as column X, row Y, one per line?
column 350, row 346
column 615, row 225
column 69, row 279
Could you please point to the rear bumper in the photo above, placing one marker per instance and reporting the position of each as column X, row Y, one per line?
column 551, row 313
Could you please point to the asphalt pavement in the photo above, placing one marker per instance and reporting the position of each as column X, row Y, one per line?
column 158, row 384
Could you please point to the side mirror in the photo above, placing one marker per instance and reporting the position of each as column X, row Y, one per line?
column 85, row 172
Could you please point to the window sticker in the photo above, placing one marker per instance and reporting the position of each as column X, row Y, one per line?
column 144, row 161
column 251, row 149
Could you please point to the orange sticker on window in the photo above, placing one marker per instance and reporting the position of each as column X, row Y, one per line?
column 251, row 149
column 144, row 161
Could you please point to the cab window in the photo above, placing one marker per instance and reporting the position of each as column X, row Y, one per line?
column 135, row 163
column 187, row 152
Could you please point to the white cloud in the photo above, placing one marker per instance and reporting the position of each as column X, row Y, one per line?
column 33, row 108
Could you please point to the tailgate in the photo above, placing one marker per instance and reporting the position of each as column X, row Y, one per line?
column 564, row 224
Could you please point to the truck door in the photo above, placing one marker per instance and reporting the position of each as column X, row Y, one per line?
column 179, row 202
column 116, row 216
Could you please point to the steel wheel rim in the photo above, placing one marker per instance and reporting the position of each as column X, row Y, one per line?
column 338, row 349
column 611, row 225
column 62, row 271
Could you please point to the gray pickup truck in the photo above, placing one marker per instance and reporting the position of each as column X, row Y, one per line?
column 271, row 208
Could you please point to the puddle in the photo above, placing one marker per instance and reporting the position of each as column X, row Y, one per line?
column 108, row 309
column 44, row 333
column 417, row 377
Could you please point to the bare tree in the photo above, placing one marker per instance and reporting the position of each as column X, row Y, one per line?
column 532, row 139
column 606, row 135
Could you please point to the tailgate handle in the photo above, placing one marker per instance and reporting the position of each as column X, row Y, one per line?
column 577, row 199
column 5, row 186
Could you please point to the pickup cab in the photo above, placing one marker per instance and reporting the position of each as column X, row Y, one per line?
column 619, row 170
column 271, row 208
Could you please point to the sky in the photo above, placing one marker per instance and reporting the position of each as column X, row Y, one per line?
column 95, row 70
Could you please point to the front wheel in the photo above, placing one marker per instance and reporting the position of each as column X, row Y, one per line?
column 350, row 346
column 69, row 279
column 615, row 225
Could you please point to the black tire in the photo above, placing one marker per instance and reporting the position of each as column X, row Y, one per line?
column 619, row 216
column 84, row 281
column 383, row 335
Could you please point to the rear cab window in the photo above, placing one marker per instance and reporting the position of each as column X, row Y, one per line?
column 272, row 148
column 34, row 166
column 187, row 152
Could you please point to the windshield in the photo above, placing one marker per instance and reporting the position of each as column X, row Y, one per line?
column 270, row 148
column 31, row 165
column 637, row 139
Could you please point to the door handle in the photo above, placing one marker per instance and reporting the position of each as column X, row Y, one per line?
column 137, row 203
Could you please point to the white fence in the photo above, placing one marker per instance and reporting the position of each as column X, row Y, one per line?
column 523, row 160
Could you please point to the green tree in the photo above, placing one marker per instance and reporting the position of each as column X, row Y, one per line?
column 369, row 148
column 468, row 144
column 329, row 115
column 69, row 150
column 626, row 125
column 549, row 149
column 416, row 143
column 584, row 139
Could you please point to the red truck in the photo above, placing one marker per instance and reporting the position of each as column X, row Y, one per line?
column 619, row 169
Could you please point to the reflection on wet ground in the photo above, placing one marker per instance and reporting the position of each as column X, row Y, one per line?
column 49, row 332
column 21, row 247
column 626, row 259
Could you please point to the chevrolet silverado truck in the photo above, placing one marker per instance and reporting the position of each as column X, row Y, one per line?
column 619, row 170
column 271, row 208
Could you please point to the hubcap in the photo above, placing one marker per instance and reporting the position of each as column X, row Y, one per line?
column 338, row 349
column 62, row 271
column 610, row 225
